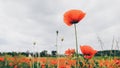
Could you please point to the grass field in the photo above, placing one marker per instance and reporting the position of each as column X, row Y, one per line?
column 61, row 62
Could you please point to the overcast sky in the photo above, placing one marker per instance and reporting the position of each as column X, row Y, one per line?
column 23, row 22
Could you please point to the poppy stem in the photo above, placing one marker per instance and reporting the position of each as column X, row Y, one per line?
column 34, row 44
column 77, row 59
column 57, row 48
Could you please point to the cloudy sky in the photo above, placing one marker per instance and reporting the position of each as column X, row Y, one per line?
column 23, row 22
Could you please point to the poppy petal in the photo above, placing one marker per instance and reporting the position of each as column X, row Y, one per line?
column 73, row 17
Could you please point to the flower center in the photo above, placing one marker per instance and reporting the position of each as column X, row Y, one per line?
column 74, row 21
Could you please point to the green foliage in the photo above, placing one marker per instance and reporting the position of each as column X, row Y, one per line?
column 81, row 64
column 23, row 65
column 108, row 53
column 96, row 64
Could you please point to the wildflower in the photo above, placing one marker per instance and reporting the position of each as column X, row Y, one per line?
column 15, row 66
column 73, row 17
column 53, row 62
column 69, row 52
column 88, row 51
column 11, row 64
column 1, row 59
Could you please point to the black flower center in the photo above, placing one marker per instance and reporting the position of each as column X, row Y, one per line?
column 74, row 21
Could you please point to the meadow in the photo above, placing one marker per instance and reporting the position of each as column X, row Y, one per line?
column 21, row 61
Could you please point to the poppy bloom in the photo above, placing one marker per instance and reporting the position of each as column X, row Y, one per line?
column 53, row 62
column 43, row 66
column 11, row 64
column 88, row 51
column 117, row 61
column 1, row 59
column 73, row 17
column 70, row 52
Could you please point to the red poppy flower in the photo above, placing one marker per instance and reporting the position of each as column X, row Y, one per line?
column 70, row 52
column 1, row 59
column 73, row 17
column 53, row 62
column 88, row 51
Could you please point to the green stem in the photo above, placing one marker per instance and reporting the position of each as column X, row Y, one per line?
column 77, row 60
column 34, row 53
column 57, row 48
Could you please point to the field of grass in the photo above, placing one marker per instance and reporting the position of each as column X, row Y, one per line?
column 60, row 62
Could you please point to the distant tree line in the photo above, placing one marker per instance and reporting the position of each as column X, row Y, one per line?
column 108, row 53
column 44, row 53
